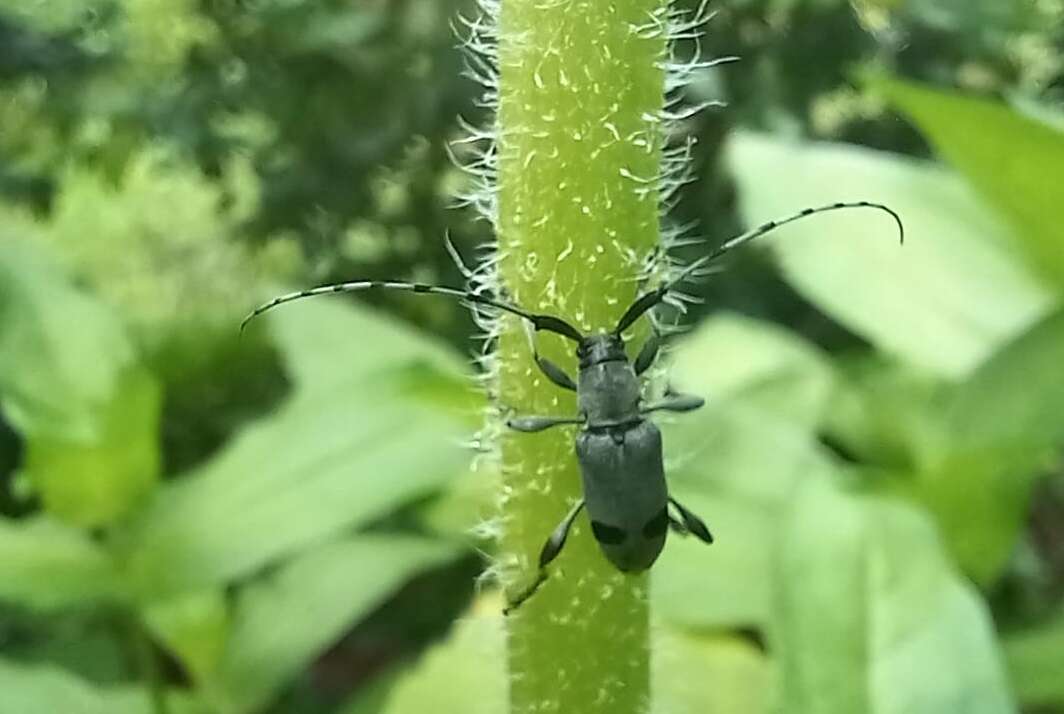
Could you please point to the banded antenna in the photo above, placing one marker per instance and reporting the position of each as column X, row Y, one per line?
column 648, row 300
column 548, row 323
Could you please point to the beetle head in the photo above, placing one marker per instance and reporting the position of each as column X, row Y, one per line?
column 595, row 349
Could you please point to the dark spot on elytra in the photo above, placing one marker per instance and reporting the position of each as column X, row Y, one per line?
column 607, row 534
column 656, row 526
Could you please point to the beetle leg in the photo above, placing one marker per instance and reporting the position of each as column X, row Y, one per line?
column 678, row 528
column 555, row 373
column 692, row 523
column 675, row 403
column 539, row 423
column 550, row 551
column 648, row 353
column 554, row 544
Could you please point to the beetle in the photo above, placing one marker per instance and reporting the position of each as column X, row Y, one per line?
column 618, row 448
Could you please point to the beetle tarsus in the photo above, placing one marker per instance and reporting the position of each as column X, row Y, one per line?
column 512, row 605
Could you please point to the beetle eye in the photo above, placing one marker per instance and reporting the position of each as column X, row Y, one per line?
column 607, row 535
column 657, row 525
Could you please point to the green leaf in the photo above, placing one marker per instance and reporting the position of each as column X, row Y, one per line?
column 926, row 302
column 282, row 622
column 49, row 690
column 95, row 482
column 1016, row 162
column 699, row 674
column 738, row 471
column 194, row 626
column 1033, row 659
column 732, row 358
column 888, row 413
column 327, row 341
column 45, row 565
column 870, row 618
column 736, row 463
column 1010, row 409
column 61, row 352
column 1005, row 426
column 466, row 673
column 361, row 436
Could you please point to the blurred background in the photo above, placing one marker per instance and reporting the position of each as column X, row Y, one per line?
column 191, row 522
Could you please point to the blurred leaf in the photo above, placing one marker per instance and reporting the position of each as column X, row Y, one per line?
column 1033, row 659
column 732, row 358
column 49, row 690
column 179, row 281
column 45, row 565
column 926, row 302
column 869, row 616
column 695, row 674
column 888, row 413
column 194, row 627
column 61, row 352
column 1010, row 408
column 973, row 17
column 736, row 462
column 49, row 17
column 1005, row 426
column 1014, row 161
column 466, row 673
column 327, row 341
column 464, row 511
column 355, row 441
column 99, row 482
column 283, row 622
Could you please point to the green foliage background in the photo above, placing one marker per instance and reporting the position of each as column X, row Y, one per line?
column 289, row 523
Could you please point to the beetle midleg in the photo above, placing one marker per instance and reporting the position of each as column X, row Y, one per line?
column 675, row 403
column 531, row 424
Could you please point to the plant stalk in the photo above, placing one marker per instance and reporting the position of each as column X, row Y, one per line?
column 579, row 139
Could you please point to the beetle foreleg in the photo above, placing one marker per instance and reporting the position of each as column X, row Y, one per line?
column 539, row 423
column 692, row 523
column 675, row 403
column 648, row 353
column 555, row 373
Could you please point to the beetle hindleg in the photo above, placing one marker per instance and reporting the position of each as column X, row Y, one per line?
column 539, row 423
column 692, row 523
column 550, row 551
column 678, row 527
column 554, row 544
column 675, row 403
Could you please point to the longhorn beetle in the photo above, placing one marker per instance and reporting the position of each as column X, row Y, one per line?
column 618, row 448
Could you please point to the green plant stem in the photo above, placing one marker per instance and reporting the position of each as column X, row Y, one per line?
column 579, row 150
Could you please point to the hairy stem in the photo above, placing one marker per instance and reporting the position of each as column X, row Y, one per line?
column 581, row 87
